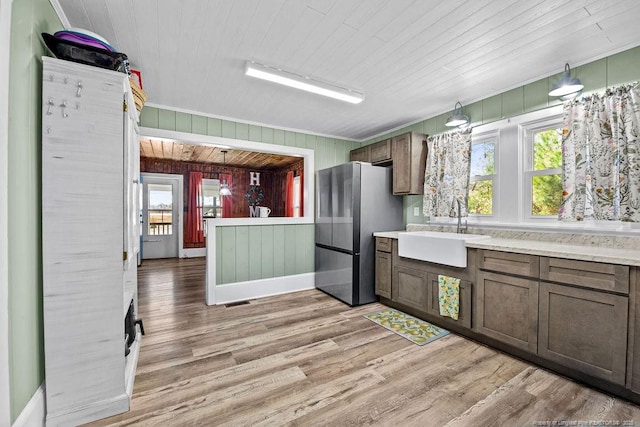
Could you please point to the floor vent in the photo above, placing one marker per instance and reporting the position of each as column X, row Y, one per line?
column 235, row 304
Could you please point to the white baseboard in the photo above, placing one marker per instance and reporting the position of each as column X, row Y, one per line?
column 242, row 291
column 35, row 412
column 193, row 252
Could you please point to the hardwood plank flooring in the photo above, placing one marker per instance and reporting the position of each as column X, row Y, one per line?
column 308, row 359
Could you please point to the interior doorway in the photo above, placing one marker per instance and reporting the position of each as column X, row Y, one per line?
column 161, row 215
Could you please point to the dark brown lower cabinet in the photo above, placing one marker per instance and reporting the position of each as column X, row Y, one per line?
column 433, row 306
column 383, row 274
column 585, row 330
column 410, row 287
column 507, row 309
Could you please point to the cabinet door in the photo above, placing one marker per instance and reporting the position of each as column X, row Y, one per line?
column 409, row 153
column 361, row 154
column 507, row 309
column 383, row 274
column 381, row 152
column 401, row 164
column 585, row 330
column 409, row 287
column 433, row 302
column 131, row 190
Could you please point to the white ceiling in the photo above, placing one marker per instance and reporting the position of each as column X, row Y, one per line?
column 413, row 59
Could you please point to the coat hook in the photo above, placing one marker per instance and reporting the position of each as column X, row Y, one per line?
column 63, row 106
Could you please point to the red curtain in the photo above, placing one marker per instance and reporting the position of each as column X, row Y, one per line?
column 195, row 232
column 302, row 192
column 227, row 201
column 288, row 199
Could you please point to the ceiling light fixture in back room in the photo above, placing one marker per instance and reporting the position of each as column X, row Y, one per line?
column 224, row 187
column 306, row 83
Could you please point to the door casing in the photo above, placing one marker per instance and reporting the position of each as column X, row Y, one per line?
column 179, row 205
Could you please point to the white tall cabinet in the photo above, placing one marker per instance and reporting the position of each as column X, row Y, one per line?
column 90, row 239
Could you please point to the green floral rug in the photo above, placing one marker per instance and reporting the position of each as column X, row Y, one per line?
column 413, row 329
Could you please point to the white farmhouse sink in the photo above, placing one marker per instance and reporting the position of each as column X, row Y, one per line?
column 433, row 246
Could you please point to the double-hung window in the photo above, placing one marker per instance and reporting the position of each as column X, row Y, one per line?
column 482, row 175
column 542, row 170
column 211, row 204
column 516, row 169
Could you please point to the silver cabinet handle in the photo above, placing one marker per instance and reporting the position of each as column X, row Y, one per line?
column 79, row 86
column 50, row 103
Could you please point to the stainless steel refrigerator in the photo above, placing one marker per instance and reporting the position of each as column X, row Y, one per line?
column 353, row 201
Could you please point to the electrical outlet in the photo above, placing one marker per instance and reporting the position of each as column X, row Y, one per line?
column 416, row 211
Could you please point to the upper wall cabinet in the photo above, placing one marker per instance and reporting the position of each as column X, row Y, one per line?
column 409, row 152
column 362, row 154
column 378, row 154
column 381, row 153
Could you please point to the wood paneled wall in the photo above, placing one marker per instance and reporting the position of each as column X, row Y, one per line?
column 272, row 183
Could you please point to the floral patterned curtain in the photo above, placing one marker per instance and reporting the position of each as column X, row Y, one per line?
column 446, row 175
column 601, row 157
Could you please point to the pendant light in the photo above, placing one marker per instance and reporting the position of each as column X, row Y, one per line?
column 458, row 119
column 567, row 87
column 224, row 188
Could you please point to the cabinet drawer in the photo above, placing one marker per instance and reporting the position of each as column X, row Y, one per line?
column 595, row 275
column 381, row 152
column 584, row 330
column 509, row 263
column 433, row 302
column 383, row 244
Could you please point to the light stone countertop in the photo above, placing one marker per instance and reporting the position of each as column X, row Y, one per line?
column 585, row 252
column 388, row 234
column 560, row 250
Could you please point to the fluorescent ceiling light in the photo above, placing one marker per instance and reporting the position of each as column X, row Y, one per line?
column 297, row 81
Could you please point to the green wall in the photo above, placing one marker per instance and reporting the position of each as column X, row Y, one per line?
column 30, row 18
column 26, row 354
column 617, row 69
column 328, row 151
column 259, row 251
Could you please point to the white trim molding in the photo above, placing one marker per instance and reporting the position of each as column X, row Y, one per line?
column 240, row 144
column 5, row 50
column 180, row 180
column 61, row 15
column 35, row 411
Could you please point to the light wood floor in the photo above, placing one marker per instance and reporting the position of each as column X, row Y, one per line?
column 307, row 359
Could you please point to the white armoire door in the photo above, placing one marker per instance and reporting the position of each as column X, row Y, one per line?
column 84, row 150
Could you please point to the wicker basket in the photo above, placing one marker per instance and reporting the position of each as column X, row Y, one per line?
column 138, row 94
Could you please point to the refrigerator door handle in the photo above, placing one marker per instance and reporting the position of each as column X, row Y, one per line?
column 331, row 248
